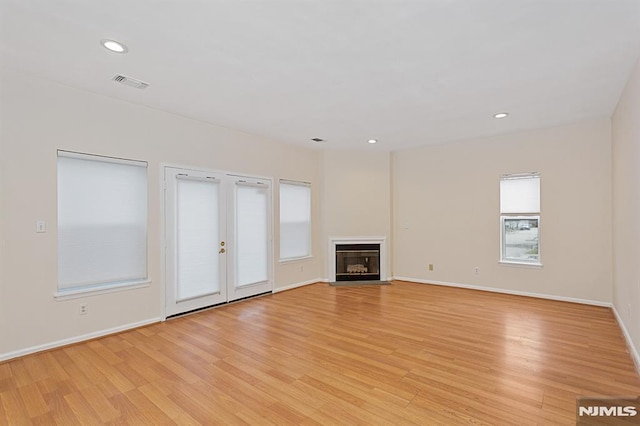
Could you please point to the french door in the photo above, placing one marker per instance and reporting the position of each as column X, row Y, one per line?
column 218, row 238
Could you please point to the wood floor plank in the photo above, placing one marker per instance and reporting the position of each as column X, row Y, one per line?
column 82, row 409
column 99, row 402
column 33, row 400
column 7, row 381
column 131, row 414
column 404, row 354
column 174, row 411
column 20, row 373
column 203, row 407
column 14, row 408
column 60, row 413
column 333, row 414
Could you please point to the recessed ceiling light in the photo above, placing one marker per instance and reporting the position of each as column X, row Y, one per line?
column 372, row 141
column 501, row 115
column 114, row 46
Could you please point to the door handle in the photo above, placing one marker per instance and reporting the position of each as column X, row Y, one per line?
column 222, row 250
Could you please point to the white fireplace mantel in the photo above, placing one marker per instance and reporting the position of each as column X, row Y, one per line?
column 334, row 241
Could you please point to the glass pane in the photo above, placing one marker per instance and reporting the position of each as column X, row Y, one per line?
column 102, row 222
column 295, row 221
column 198, row 238
column 520, row 239
column 251, row 235
column 358, row 262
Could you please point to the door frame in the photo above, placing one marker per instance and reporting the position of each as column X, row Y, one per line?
column 237, row 293
column 163, row 224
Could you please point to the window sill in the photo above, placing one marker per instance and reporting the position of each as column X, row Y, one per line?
column 295, row 259
column 104, row 289
column 521, row 264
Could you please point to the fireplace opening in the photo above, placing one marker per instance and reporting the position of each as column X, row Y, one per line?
column 357, row 262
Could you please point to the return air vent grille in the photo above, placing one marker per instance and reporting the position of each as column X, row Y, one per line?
column 132, row 82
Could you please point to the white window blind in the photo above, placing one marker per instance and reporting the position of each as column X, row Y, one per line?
column 102, row 221
column 197, row 236
column 295, row 220
column 520, row 194
column 252, row 239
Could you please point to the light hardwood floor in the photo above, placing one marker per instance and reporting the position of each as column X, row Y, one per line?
column 400, row 354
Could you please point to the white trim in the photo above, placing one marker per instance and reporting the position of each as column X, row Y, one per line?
column 333, row 241
column 192, row 168
column 294, row 182
column 235, row 291
column 519, row 216
column 185, row 176
column 296, row 285
column 506, row 291
column 170, row 175
column 94, row 291
column 295, row 259
column 627, row 337
column 76, row 339
column 529, row 175
column 103, row 158
column 521, row 264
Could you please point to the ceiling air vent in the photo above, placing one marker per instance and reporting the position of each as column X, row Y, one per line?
column 132, row 82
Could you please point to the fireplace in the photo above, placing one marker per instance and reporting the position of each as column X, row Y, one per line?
column 357, row 258
column 357, row 262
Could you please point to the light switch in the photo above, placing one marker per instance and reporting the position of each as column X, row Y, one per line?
column 41, row 226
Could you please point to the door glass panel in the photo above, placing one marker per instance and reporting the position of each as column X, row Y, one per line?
column 251, row 234
column 197, row 237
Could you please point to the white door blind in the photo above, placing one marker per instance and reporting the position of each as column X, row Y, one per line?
column 102, row 221
column 520, row 194
column 295, row 220
column 252, row 239
column 197, row 238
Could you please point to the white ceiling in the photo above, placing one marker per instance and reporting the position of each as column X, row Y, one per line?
column 405, row 72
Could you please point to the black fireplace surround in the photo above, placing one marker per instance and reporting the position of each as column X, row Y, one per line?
column 357, row 262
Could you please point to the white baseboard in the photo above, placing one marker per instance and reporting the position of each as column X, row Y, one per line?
column 627, row 337
column 505, row 291
column 76, row 339
column 300, row 284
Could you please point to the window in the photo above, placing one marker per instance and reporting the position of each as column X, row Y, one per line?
column 520, row 218
column 295, row 220
column 102, row 222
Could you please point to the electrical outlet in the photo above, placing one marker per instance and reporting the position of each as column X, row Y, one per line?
column 84, row 309
column 301, row 268
column 476, row 270
column 431, row 266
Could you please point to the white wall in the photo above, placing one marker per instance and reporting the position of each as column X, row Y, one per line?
column 39, row 117
column 436, row 204
column 446, row 211
column 626, row 208
column 356, row 196
column 2, row 221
